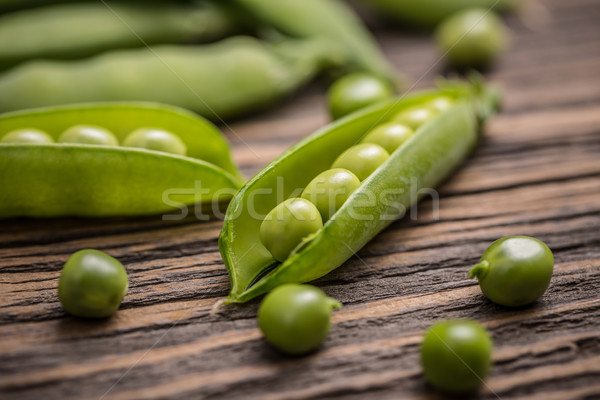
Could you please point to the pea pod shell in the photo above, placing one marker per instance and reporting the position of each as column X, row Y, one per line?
column 86, row 180
column 48, row 32
column 428, row 13
column 423, row 161
column 325, row 19
column 218, row 80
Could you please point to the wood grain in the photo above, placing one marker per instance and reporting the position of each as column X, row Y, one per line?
column 537, row 172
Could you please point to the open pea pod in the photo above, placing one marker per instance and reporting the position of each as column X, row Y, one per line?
column 59, row 179
column 423, row 161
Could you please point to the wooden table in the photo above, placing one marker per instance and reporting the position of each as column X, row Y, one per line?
column 536, row 173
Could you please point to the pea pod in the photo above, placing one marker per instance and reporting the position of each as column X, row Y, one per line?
column 325, row 19
column 57, row 179
column 218, row 80
column 428, row 13
column 423, row 161
column 82, row 29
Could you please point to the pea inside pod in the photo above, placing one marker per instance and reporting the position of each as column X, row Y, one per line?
column 362, row 159
column 330, row 190
column 390, row 136
column 97, row 180
column 155, row 139
column 88, row 134
column 287, row 224
column 27, row 135
column 422, row 161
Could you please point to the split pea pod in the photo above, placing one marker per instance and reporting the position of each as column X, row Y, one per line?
column 325, row 19
column 50, row 179
column 219, row 80
column 83, row 29
column 435, row 149
column 428, row 13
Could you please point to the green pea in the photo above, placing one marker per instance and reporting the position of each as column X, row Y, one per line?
column 88, row 134
column 155, row 139
column 330, row 189
column 389, row 136
column 514, row 271
column 472, row 38
column 287, row 224
column 295, row 319
column 456, row 355
column 440, row 104
column 27, row 135
column 92, row 284
column 355, row 91
column 414, row 117
column 362, row 159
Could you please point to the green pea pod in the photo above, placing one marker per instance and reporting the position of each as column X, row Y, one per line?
column 83, row 29
column 10, row 5
column 428, row 13
column 328, row 19
column 220, row 80
column 59, row 179
column 423, row 161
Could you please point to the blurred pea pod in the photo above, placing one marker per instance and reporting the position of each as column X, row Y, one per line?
column 330, row 19
column 83, row 29
column 10, row 5
column 428, row 13
column 218, row 80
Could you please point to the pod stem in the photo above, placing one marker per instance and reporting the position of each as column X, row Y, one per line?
column 479, row 270
column 333, row 303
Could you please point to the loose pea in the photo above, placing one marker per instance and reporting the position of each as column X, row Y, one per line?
column 287, row 224
column 355, row 91
column 414, row 117
column 440, row 104
column 456, row 355
column 155, row 139
column 389, row 135
column 330, row 189
column 362, row 159
column 88, row 134
column 295, row 319
column 27, row 135
column 92, row 284
column 514, row 271
column 472, row 38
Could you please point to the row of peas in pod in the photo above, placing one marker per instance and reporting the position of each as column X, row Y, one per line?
column 70, row 157
column 144, row 137
column 295, row 219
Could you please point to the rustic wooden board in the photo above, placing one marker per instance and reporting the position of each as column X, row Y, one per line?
column 537, row 172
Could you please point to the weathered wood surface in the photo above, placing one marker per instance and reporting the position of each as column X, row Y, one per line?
column 536, row 173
